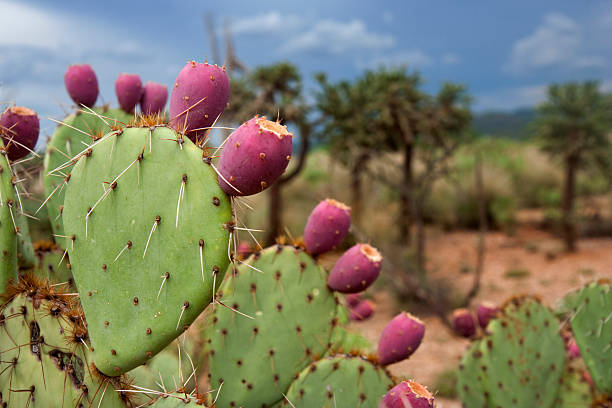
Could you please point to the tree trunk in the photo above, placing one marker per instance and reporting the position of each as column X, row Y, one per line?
column 356, row 187
column 569, row 192
column 275, row 211
column 405, row 219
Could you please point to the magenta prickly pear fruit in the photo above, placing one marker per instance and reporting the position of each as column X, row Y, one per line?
column 400, row 338
column 362, row 310
column 485, row 312
column 356, row 269
column 128, row 88
column 407, row 394
column 199, row 96
column 464, row 323
column 82, row 84
column 353, row 299
column 573, row 352
column 154, row 98
column 19, row 127
column 327, row 226
column 244, row 250
column 254, row 156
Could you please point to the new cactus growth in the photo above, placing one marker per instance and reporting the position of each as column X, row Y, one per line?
column 356, row 269
column 327, row 226
column 198, row 98
column 43, row 355
column 408, row 394
column 518, row 363
column 128, row 88
column 464, row 323
column 339, row 382
column 400, row 338
column 254, row 156
column 82, row 84
column 154, row 98
column 19, row 127
column 146, row 249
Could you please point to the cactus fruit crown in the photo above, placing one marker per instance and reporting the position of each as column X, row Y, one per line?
column 22, row 110
column 338, row 204
column 371, row 252
column 275, row 127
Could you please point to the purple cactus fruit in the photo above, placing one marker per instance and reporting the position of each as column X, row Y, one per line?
column 327, row 226
column 199, row 96
column 128, row 88
column 485, row 312
column 19, row 127
column 464, row 323
column 356, row 269
column 362, row 310
column 244, row 250
column 82, row 84
column 573, row 352
column 400, row 338
column 407, row 394
column 154, row 98
column 352, row 299
column 254, row 156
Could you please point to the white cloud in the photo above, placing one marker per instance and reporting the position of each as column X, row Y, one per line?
column 450, row 59
column 512, row 98
column 336, row 37
column 407, row 58
column 270, row 22
column 557, row 41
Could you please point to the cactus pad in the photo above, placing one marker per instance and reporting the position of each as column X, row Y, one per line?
column 293, row 313
column 519, row 363
column 8, row 212
column 592, row 327
column 66, row 142
column 149, row 233
column 339, row 382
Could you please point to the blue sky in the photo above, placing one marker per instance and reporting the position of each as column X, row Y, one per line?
column 505, row 52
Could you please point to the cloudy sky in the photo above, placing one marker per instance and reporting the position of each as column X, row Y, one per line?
column 505, row 52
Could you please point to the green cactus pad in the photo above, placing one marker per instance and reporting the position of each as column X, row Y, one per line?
column 592, row 327
column 293, row 315
column 518, row 363
column 42, row 364
column 574, row 392
column 66, row 142
column 339, row 382
column 8, row 212
column 139, row 232
column 25, row 251
column 176, row 400
column 51, row 266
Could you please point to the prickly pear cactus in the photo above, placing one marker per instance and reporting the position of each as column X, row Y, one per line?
column 43, row 361
column 176, row 400
column 518, row 363
column 591, row 324
column 291, row 313
column 8, row 212
column 574, row 391
column 339, row 382
column 149, row 232
column 54, row 266
column 25, row 251
column 70, row 138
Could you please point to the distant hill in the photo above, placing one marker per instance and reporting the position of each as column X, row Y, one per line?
column 503, row 124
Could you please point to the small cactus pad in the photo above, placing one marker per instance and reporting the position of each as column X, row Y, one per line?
column 356, row 269
column 400, row 338
column 66, row 142
column 574, row 392
column 43, row 361
column 154, row 98
column 408, row 394
column 363, row 310
column 128, row 88
column 485, row 312
column 327, row 226
column 8, row 227
column 339, row 382
column 518, row 363
column 592, row 327
column 82, row 84
column 148, row 230
column 254, row 156
column 464, row 323
column 198, row 98
column 293, row 314
column 19, row 127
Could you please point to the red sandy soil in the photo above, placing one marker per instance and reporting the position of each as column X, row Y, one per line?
column 548, row 272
